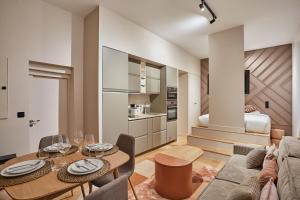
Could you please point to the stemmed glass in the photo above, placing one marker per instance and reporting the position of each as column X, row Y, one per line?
column 63, row 146
column 78, row 139
column 89, row 140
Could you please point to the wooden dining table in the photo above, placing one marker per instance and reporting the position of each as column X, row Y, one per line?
column 48, row 186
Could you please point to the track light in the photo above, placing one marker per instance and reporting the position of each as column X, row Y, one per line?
column 202, row 6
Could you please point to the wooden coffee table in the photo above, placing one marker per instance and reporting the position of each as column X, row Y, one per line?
column 173, row 171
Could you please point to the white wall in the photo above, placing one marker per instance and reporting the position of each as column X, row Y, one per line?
column 121, row 34
column 296, row 88
column 35, row 30
column 226, row 82
column 194, row 102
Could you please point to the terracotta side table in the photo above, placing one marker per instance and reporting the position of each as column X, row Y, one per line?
column 173, row 172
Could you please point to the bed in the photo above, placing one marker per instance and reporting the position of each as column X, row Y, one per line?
column 255, row 122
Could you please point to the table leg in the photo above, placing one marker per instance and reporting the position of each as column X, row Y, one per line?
column 116, row 173
column 82, row 190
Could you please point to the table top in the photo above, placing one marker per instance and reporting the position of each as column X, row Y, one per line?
column 184, row 152
column 49, row 184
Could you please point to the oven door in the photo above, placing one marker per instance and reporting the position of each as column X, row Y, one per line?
column 172, row 113
column 172, row 96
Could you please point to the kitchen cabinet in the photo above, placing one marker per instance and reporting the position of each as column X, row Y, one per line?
column 115, row 116
column 138, row 128
column 150, row 134
column 171, row 130
column 141, row 144
column 115, row 69
column 134, row 84
column 152, row 86
column 152, row 72
column 159, row 123
column 172, row 77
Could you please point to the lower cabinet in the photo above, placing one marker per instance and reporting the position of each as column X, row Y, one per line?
column 141, row 144
column 171, row 131
column 159, row 138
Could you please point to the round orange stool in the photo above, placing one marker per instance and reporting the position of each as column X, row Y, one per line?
column 173, row 177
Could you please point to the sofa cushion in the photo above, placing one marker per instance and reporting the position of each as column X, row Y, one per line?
column 288, row 184
column 269, row 191
column 270, row 170
column 288, row 146
column 255, row 158
column 217, row 190
column 249, row 189
column 235, row 170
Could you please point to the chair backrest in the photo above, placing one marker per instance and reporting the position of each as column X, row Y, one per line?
column 5, row 158
column 126, row 143
column 114, row 190
column 47, row 141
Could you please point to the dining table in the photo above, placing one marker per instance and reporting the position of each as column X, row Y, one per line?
column 49, row 186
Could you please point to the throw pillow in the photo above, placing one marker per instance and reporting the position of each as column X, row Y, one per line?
column 269, row 191
column 249, row 189
column 255, row 158
column 250, row 108
column 270, row 170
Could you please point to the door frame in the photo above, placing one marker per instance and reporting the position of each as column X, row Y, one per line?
column 52, row 71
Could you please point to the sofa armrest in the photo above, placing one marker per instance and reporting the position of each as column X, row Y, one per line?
column 241, row 149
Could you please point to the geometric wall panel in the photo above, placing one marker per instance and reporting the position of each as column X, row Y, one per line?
column 270, row 81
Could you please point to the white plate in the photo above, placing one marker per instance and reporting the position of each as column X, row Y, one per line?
column 92, row 164
column 8, row 172
column 99, row 147
column 54, row 148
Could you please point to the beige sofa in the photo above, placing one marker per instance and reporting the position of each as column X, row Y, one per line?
column 235, row 170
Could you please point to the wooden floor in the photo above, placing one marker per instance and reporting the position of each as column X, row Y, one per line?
column 207, row 159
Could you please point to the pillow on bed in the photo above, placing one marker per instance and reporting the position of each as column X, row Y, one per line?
column 250, row 108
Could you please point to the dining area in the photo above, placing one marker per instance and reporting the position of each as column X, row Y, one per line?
column 60, row 166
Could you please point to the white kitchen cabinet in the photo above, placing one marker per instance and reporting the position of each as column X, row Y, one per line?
column 172, row 77
column 134, row 84
column 152, row 85
column 171, row 130
column 3, row 87
column 115, row 116
column 163, row 137
column 159, row 123
column 152, row 72
column 115, row 69
column 141, row 144
column 134, row 68
column 156, row 139
column 138, row 128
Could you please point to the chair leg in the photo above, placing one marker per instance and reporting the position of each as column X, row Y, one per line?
column 90, row 187
column 132, row 189
column 82, row 190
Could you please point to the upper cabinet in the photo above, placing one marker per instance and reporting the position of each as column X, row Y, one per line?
column 134, row 79
column 172, row 77
column 115, row 70
column 152, row 80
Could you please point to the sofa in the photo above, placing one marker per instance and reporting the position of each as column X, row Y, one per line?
column 235, row 171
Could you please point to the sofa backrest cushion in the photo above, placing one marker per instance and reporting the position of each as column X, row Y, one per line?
column 289, row 146
column 255, row 158
column 288, row 185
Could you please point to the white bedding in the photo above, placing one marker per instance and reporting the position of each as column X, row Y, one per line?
column 254, row 122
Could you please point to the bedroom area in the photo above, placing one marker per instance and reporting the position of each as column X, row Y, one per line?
column 255, row 109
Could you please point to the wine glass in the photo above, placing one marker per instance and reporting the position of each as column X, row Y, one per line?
column 89, row 140
column 63, row 147
column 78, row 139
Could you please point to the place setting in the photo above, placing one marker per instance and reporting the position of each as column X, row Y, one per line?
column 25, row 171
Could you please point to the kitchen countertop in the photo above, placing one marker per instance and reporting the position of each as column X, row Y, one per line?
column 146, row 116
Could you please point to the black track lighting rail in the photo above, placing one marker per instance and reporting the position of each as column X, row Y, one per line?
column 203, row 5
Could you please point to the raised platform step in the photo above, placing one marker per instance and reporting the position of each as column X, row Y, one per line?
column 220, row 146
column 244, row 138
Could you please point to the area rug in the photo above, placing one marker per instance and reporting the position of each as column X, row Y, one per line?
column 145, row 190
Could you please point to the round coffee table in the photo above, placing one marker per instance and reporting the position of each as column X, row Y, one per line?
column 173, row 171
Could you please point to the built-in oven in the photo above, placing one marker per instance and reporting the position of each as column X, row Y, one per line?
column 171, row 93
column 171, row 110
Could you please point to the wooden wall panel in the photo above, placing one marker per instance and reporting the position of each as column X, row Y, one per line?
column 271, row 80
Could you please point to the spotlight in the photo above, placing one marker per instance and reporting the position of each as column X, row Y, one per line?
column 201, row 7
column 204, row 5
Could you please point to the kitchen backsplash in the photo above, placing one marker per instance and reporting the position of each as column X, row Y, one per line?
column 138, row 99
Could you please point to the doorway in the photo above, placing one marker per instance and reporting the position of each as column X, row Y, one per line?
column 183, row 103
column 49, row 102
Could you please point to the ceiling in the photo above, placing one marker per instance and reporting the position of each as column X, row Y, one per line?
column 267, row 22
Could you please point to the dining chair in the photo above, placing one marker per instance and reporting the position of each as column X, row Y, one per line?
column 115, row 190
column 5, row 158
column 47, row 141
column 126, row 143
